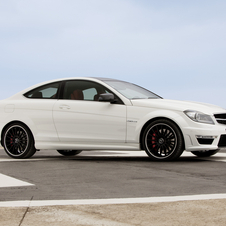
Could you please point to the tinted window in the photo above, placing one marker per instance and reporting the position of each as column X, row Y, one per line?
column 44, row 92
column 83, row 90
column 89, row 94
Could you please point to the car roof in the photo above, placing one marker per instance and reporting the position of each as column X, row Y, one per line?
column 107, row 79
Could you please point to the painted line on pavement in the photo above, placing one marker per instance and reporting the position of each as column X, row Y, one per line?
column 35, row 203
column 24, row 160
column 6, row 181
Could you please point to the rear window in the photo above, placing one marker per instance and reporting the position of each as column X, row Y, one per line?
column 49, row 91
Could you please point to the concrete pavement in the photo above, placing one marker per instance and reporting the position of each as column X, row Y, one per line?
column 204, row 212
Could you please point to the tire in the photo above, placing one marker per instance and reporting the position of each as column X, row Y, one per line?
column 205, row 153
column 69, row 152
column 163, row 140
column 18, row 141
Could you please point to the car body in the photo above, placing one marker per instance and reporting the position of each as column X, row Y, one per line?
column 75, row 114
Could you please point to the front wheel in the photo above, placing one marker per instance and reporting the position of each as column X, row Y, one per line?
column 18, row 141
column 163, row 140
column 206, row 153
column 69, row 152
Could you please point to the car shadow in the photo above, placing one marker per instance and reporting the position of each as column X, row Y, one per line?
column 106, row 156
column 131, row 159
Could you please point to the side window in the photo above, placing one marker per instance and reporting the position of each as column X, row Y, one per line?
column 89, row 94
column 44, row 92
column 83, row 90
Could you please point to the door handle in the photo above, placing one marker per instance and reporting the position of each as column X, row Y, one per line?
column 65, row 107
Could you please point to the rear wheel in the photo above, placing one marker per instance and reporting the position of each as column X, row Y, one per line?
column 162, row 140
column 206, row 153
column 69, row 152
column 18, row 141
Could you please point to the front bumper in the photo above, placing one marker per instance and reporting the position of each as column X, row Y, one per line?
column 208, row 137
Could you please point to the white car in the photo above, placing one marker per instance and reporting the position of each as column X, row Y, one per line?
column 74, row 114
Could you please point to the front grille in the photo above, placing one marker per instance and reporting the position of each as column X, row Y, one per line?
column 221, row 118
column 222, row 141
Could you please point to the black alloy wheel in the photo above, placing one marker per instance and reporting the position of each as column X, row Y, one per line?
column 69, row 152
column 18, row 141
column 162, row 140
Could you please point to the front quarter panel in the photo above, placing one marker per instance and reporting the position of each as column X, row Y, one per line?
column 139, row 116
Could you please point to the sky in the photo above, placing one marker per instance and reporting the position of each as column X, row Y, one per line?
column 175, row 48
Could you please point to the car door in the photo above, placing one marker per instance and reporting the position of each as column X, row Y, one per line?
column 80, row 118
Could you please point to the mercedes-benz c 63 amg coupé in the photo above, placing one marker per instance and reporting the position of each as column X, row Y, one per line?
column 75, row 114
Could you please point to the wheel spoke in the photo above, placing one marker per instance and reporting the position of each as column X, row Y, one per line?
column 16, row 140
column 161, row 140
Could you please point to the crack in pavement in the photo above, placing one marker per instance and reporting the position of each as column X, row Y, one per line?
column 26, row 212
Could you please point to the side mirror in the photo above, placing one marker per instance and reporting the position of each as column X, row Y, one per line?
column 107, row 97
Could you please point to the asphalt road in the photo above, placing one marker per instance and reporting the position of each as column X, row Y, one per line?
column 190, row 191
column 104, row 175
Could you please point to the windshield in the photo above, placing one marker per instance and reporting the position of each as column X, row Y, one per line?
column 132, row 91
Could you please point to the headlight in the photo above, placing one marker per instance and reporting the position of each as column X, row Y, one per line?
column 199, row 117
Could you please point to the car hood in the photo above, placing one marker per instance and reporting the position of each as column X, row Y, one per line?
column 177, row 105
